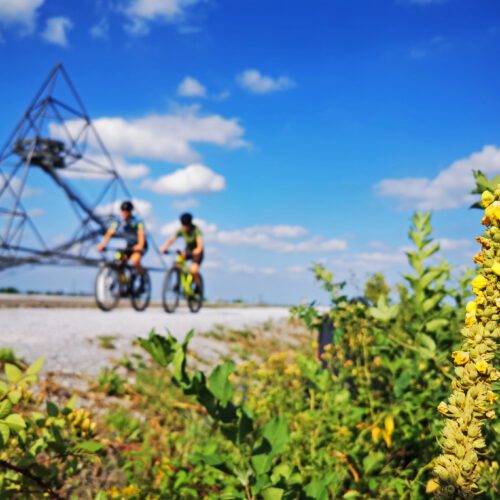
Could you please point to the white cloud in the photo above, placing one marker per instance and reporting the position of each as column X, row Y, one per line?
column 447, row 244
column 190, row 87
column 161, row 137
column 36, row 212
column 95, row 166
column 254, row 81
column 19, row 12
column 212, row 264
column 271, row 238
column 142, row 208
column 100, row 30
column 142, row 12
column 56, row 31
column 15, row 185
column 191, row 179
column 296, row 269
column 449, row 189
column 243, row 268
column 185, row 204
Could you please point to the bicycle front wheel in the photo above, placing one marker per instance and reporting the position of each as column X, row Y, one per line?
column 141, row 291
column 195, row 300
column 171, row 290
column 107, row 288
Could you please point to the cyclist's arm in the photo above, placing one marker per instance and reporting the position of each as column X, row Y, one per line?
column 107, row 236
column 168, row 243
column 141, row 239
column 199, row 245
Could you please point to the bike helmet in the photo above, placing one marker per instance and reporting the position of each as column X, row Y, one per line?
column 127, row 206
column 186, row 219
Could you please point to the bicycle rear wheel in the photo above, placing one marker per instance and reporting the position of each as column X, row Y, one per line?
column 171, row 290
column 195, row 301
column 140, row 291
column 107, row 288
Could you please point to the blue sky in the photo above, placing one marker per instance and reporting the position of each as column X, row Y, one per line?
column 298, row 134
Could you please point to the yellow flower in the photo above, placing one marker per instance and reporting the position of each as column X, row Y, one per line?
column 485, row 243
column 478, row 258
column 496, row 268
column 460, row 357
column 470, row 319
column 482, row 367
column 478, row 283
column 493, row 211
column 443, row 408
column 471, row 307
column 485, row 221
column 376, row 431
column 389, row 425
column 432, row 486
column 487, row 198
column 480, row 300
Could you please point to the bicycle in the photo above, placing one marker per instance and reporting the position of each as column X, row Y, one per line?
column 118, row 279
column 180, row 282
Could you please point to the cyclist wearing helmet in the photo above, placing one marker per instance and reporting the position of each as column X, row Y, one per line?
column 131, row 228
column 192, row 236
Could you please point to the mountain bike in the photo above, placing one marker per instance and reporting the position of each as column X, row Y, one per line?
column 180, row 282
column 118, row 279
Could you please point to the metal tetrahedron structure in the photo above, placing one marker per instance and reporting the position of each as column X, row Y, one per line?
column 55, row 145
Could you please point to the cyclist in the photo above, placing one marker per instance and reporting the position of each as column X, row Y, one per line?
column 194, row 244
column 131, row 228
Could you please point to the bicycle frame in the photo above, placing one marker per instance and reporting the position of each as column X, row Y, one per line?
column 186, row 276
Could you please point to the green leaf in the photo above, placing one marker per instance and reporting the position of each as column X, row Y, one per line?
column 432, row 302
column 434, row 325
column 3, row 387
column 318, row 489
column 219, row 384
column 13, row 373
column 272, row 493
column 4, row 433
column 90, row 446
column 14, row 396
column 35, row 367
column 383, row 311
column 15, row 422
column 426, row 341
column 276, row 433
column 373, row 462
column 101, row 495
column 52, row 409
column 71, row 404
column 5, row 408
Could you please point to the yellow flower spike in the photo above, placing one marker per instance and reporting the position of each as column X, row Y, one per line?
column 482, row 367
column 479, row 282
column 487, row 198
column 485, row 221
column 460, row 358
column 496, row 268
column 471, row 307
column 490, row 414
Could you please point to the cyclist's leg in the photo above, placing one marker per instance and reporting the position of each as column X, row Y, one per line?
column 195, row 268
column 135, row 259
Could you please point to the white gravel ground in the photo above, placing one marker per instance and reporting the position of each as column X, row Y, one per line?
column 67, row 337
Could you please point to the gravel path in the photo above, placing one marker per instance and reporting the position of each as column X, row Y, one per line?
column 68, row 337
